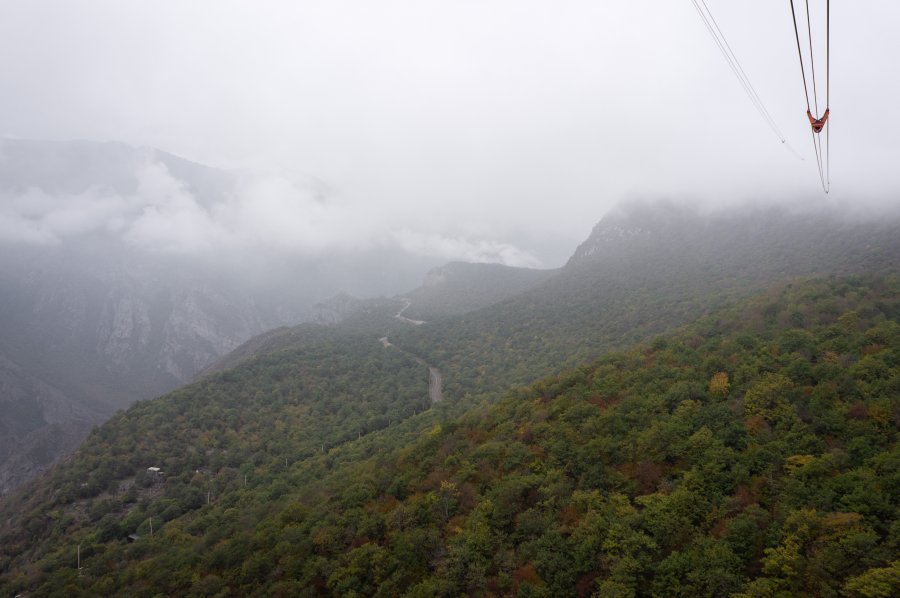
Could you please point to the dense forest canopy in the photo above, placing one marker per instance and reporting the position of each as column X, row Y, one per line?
column 753, row 453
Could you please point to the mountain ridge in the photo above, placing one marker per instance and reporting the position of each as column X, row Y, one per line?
column 459, row 287
column 635, row 287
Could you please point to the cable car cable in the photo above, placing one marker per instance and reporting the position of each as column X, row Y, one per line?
column 752, row 89
column 718, row 36
column 823, row 160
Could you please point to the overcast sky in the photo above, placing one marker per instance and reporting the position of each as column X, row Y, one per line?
column 516, row 123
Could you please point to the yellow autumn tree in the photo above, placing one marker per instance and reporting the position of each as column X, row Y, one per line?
column 769, row 397
column 718, row 385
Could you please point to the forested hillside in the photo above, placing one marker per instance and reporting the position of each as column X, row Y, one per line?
column 754, row 453
column 642, row 271
column 312, row 460
column 457, row 288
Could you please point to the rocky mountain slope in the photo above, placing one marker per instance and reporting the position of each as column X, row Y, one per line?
column 104, row 330
column 39, row 423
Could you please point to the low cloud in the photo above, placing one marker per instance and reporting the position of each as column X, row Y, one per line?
column 261, row 213
column 458, row 248
column 170, row 218
column 37, row 217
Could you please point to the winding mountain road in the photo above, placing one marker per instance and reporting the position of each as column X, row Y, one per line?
column 434, row 384
column 399, row 315
column 435, row 380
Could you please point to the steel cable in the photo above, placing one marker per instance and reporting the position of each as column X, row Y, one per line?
column 823, row 160
column 734, row 64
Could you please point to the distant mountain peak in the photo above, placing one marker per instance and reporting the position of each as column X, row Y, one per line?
column 628, row 224
column 460, row 287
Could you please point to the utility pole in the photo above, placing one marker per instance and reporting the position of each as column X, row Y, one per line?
column 79, row 559
column 151, row 527
column 207, row 497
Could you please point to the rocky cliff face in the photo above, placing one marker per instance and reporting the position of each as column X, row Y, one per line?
column 89, row 322
column 81, row 344
column 38, row 422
